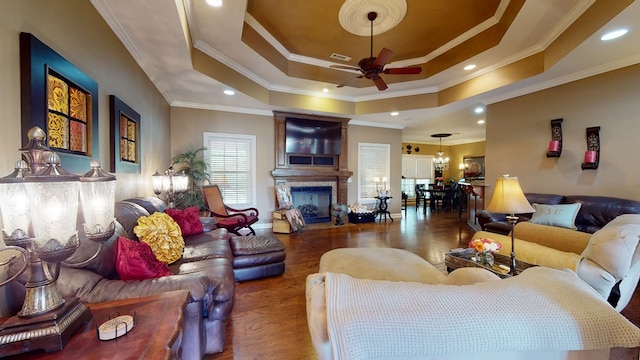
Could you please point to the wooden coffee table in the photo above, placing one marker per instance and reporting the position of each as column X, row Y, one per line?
column 455, row 260
column 158, row 329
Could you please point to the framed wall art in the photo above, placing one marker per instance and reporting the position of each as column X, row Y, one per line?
column 125, row 137
column 62, row 100
column 474, row 167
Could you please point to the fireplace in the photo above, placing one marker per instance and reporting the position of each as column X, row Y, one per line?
column 310, row 171
column 314, row 202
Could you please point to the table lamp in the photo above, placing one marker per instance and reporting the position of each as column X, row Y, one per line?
column 509, row 199
column 39, row 204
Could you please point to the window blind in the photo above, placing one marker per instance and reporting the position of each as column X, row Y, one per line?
column 231, row 162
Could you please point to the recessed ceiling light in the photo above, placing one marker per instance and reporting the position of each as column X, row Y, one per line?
column 395, row 113
column 481, row 121
column 229, row 92
column 478, row 110
column 470, row 67
column 214, row 3
column 325, row 90
column 613, row 34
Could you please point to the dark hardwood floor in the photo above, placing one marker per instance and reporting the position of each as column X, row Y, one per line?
column 269, row 317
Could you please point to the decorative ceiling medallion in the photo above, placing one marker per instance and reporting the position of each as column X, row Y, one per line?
column 353, row 15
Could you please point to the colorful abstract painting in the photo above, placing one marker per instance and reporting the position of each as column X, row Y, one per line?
column 60, row 99
column 67, row 127
column 125, row 132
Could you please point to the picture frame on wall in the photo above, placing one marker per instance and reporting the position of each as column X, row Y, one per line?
column 125, row 137
column 474, row 168
column 60, row 99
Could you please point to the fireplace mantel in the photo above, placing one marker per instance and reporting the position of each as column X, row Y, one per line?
column 287, row 172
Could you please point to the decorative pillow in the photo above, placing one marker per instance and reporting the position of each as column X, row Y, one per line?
column 188, row 220
column 283, row 193
column 162, row 234
column 136, row 261
column 563, row 215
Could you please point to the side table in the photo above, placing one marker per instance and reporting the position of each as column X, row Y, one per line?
column 157, row 334
column 382, row 207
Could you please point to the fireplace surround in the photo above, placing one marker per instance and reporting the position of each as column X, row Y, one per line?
column 321, row 170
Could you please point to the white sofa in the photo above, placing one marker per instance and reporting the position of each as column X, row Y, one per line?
column 382, row 303
column 608, row 260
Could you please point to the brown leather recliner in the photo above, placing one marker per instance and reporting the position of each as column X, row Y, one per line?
column 207, row 273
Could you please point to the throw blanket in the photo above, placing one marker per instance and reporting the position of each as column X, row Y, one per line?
column 540, row 309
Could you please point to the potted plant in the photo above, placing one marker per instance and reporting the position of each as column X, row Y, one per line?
column 192, row 164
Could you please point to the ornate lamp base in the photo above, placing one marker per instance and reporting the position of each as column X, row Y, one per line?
column 48, row 332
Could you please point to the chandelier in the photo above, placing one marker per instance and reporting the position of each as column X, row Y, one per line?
column 440, row 162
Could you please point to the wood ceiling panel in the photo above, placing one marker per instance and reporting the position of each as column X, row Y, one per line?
column 311, row 28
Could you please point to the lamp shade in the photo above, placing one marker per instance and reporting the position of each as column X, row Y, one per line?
column 14, row 205
column 157, row 183
column 508, row 197
column 97, row 198
column 180, row 182
column 53, row 205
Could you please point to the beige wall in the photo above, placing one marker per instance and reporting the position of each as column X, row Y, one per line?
column 518, row 134
column 365, row 134
column 188, row 126
column 457, row 153
column 74, row 30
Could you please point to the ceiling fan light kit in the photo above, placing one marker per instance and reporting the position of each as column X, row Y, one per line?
column 372, row 67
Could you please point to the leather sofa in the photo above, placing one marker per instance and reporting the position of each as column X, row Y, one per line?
column 595, row 211
column 205, row 270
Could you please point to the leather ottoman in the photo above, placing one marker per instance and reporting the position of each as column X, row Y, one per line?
column 257, row 256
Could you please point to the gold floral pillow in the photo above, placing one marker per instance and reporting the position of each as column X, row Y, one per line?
column 163, row 234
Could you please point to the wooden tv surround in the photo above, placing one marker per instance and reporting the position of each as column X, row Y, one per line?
column 286, row 172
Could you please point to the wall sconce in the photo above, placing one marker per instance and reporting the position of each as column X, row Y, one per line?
column 39, row 202
column 555, row 145
column 166, row 186
column 461, row 167
column 592, row 155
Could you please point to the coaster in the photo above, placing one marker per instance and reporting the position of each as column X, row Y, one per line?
column 115, row 327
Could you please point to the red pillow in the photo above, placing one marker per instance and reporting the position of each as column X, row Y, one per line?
column 188, row 220
column 136, row 261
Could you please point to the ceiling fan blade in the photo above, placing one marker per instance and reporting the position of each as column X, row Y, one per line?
column 345, row 67
column 349, row 81
column 380, row 84
column 402, row 71
column 383, row 57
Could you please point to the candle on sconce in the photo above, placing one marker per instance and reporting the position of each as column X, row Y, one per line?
column 590, row 156
column 384, row 180
column 554, row 145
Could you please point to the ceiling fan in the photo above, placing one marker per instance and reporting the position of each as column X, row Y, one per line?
column 372, row 67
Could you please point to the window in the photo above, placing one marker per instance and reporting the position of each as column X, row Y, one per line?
column 373, row 163
column 231, row 162
column 417, row 169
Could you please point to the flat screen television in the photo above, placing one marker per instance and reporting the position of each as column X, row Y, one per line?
column 313, row 137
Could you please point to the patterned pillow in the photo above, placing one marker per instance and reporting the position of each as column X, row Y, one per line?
column 563, row 215
column 136, row 261
column 188, row 220
column 162, row 234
